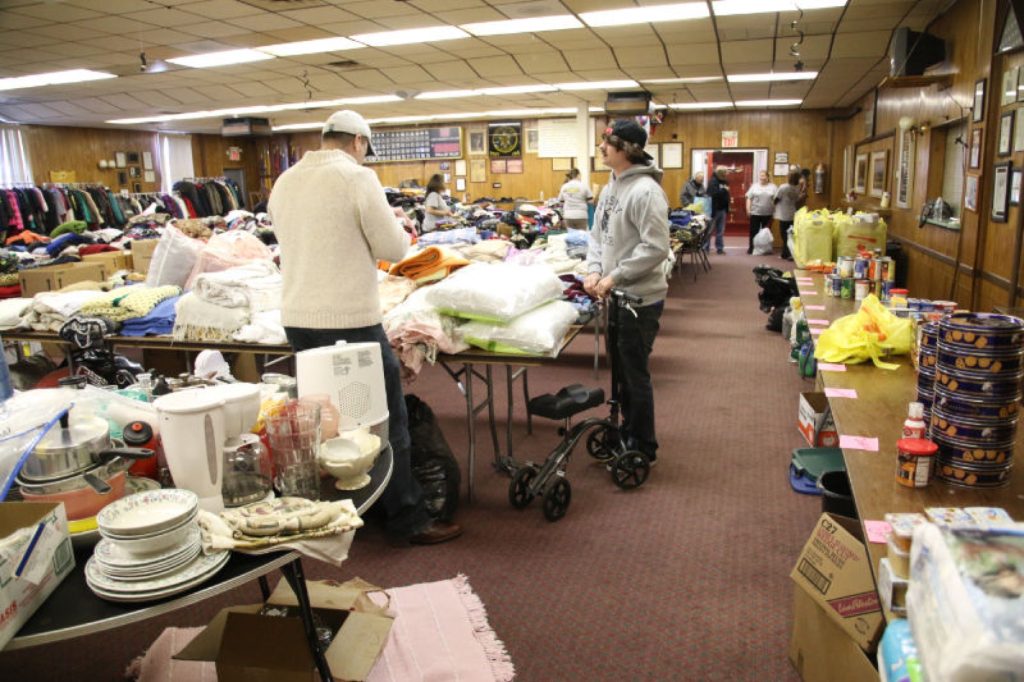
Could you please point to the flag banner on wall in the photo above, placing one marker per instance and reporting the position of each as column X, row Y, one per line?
column 505, row 138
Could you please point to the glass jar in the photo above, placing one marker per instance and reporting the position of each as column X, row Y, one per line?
column 247, row 471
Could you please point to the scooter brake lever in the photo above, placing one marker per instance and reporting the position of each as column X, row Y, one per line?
column 629, row 307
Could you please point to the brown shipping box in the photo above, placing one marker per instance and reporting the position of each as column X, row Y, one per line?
column 834, row 569
column 248, row 646
column 80, row 272
column 142, row 253
column 820, row 650
column 111, row 261
column 814, row 419
column 54, row 277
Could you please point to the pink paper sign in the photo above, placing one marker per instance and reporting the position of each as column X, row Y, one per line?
column 840, row 393
column 818, row 320
column 814, row 307
column 831, row 367
column 858, row 443
column 878, row 531
column 816, row 331
column 804, row 280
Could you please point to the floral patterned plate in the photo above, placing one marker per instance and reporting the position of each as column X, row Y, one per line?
column 203, row 566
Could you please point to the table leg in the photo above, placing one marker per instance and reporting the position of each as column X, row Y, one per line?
column 489, row 380
column 597, row 340
column 467, row 372
column 264, row 587
column 526, row 401
column 294, row 575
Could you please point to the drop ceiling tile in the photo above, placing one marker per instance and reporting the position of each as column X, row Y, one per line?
column 626, row 35
column 114, row 6
column 51, row 13
column 156, row 99
column 220, row 9
column 42, row 111
column 72, row 32
column 407, row 74
column 162, row 36
column 750, row 90
column 254, row 89
column 10, row 39
column 214, row 29
column 318, row 16
column 69, row 108
column 117, row 25
column 641, row 56
column 16, row 113
column 541, row 62
column 10, row 20
column 249, row 39
column 407, row 21
column 351, row 28
column 461, row 15
column 867, row 44
column 446, row 6
column 370, row 79
column 451, row 70
column 696, row 54
column 186, row 95
column 382, row 8
column 264, row 22
column 895, row 8
column 598, row 56
column 747, row 51
column 97, row 105
column 471, row 49
column 865, row 25
column 73, row 49
column 123, row 102
column 496, row 67
column 290, row 35
column 812, row 47
column 166, row 17
column 377, row 59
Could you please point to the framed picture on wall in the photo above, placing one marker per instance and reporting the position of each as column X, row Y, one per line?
column 460, row 184
column 133, row 157
column 975, row 161
column 532, row 140
column 137, row 187
column 978, row 108
column 655, row 152
column 1015, row 180
column 477, row 142
column 1000, row 191
column 147, row 160
column 1009, row 95
column 879, row 172
column 121, row 158
column 905, row 158
column 672, row 155
column 149, row 176
column 122, row 178
column 1018, row 128
column 971, row 193
column 1005, row 134
column 860, row 173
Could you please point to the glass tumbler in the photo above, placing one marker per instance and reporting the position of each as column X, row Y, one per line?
column 294, row 433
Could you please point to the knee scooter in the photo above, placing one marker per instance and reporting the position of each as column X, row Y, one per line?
column 629, row 468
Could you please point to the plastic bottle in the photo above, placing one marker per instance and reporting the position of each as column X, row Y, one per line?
column 6, row 390
column 914, row 426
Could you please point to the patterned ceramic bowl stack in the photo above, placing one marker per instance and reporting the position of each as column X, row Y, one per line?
column 927, row 352
column 151, row 548
column 979, row 366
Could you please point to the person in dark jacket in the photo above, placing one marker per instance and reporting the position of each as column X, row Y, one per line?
column 693, row 189
column 718, row 190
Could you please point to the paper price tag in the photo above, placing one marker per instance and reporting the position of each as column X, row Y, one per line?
column 878, row 531
column 840, row 393
column 818, row 320
column 858, row 443
column 814, row 307
column 831, row 367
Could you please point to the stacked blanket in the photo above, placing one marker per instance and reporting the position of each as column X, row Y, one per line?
column 417, row 332
column 126, row 303
column 158, row 321
column 430, row 264
column 244, row 300
column 50, row 310
column 255, row 285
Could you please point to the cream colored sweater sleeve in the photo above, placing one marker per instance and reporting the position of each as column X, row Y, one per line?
column 387, row 240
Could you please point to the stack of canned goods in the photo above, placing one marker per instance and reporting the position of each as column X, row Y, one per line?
column 927, row 358
column 977, row 392
column 856, row 277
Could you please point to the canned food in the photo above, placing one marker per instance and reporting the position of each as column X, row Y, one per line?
column 835, row 286
column 915, row 458
column 875, row 270
column 960, row 452
column 974, row 408
column 982, row 432
column 846, row 290
column 972, row 477
column 974, row 385
column 862, row 289
column 860, row 268
column 888, row 269
column 886, row 292
column 994, row 363
column 985, row 331
column 845, row 265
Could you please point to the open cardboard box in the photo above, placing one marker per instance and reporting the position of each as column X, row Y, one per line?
column 820, row 650
column 814, row 419
column 249, row 647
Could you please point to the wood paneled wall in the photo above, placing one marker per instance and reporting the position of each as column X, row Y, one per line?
column 981, row 254
column 52, row 148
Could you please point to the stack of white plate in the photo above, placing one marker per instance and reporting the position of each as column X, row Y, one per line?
column 151, row 547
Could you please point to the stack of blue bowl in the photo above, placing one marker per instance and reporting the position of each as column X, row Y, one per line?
column 927, row 359
column 979, row 367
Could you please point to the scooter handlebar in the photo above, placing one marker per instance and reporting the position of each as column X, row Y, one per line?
column 624, row 297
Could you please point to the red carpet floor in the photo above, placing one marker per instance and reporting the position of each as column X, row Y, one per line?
column 685, row 578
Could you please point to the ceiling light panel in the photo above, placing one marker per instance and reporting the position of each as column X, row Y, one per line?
column 38, row 80
column 767, row 77
column 700, row 105
column 532, row 25
column 222, row 58
column 428, row 34
column 650, row 14
column 597, row 85
column 769, row 102
column 336, row 44
column 518, row 89
column 724, row 8
column 694, row 79
column 448, row 94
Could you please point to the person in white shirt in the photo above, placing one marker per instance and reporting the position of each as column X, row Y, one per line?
column 575, row 196
column 760, row 206
column 434, row 206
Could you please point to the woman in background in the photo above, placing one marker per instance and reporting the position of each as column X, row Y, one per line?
column 575, row 196
column 787, row 199
column 434, row 206
column 760, row 205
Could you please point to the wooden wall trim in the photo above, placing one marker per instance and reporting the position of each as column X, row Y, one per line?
column 996, row 280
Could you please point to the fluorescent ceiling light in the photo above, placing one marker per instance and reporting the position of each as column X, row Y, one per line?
column 765, row 77
column 503, row 113
column 222, row 58
column 692, row 79
column 448, row 94
column 700, row 105
column 427, row 34
column 519, row 89
column 53, row 78
column 534, row 25
column 768, row 102
column 597, row 85
column 259, row 109
column 724, row 8
column 311, row 47
column 647, row 14
column 500, row 113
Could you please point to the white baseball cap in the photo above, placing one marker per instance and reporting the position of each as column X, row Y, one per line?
column 347, row 121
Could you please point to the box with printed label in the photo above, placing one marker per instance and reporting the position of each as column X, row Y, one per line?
column 814, row 419
column 142, row 253
column 110, row 261
column 35, row 556
column 820, row 650
column 79, row 272
column 834, row 570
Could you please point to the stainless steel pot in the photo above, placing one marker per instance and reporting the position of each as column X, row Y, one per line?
column 68, row 450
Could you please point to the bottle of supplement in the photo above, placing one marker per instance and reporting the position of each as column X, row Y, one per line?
column 914, row 426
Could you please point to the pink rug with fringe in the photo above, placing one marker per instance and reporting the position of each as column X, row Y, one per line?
column 440, row 633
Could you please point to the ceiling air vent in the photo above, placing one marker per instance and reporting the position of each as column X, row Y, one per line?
column 344, row 64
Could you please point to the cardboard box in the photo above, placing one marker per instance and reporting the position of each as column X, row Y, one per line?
column 892, row 589
column 835, row 570
column 142, row 253
column 79, row 272
column 248, row 646
column 110, row 261
column 38, row 280
column 32, row 562
column 820, row 650
column 814, row 419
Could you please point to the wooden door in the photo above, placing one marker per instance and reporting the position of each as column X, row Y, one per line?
column 741, row 176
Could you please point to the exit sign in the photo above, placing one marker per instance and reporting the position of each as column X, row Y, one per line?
column 730, row 139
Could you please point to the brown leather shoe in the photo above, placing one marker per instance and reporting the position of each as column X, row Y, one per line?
column 437, row 532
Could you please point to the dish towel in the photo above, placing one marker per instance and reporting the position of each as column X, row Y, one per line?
column 440, row 633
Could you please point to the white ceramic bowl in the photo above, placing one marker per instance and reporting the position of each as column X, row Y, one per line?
column 153, row 544
column 348, row 461
column 147, row 512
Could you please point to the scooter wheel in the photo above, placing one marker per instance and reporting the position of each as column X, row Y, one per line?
column 603, row 443
column 519, row 494
column 557, row 499
column 630, row 469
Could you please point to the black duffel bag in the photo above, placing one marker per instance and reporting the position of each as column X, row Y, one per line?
column 433, row 463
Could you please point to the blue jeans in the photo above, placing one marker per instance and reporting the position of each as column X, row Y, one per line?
column 636, row 393
column 402, row 499
column 718, row 229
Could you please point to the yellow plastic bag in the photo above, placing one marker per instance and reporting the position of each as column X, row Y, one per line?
column 812, row 236
column 871, row 333
column 860, row 232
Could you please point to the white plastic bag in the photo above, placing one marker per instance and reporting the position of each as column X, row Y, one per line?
column 173, row 259
column 228, row 250
column 538, row 332
column 763, row 242
column 495, row 292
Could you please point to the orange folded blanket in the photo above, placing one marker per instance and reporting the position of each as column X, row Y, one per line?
column 429, row 264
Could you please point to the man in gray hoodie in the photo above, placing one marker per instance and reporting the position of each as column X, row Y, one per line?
column 629, row 250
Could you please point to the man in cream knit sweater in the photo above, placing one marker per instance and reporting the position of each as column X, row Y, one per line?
column 333, row 224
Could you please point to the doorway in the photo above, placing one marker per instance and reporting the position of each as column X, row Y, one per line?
column 744, row 166
column 238, row 176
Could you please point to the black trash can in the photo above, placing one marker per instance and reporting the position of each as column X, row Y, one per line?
column 836, row 494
